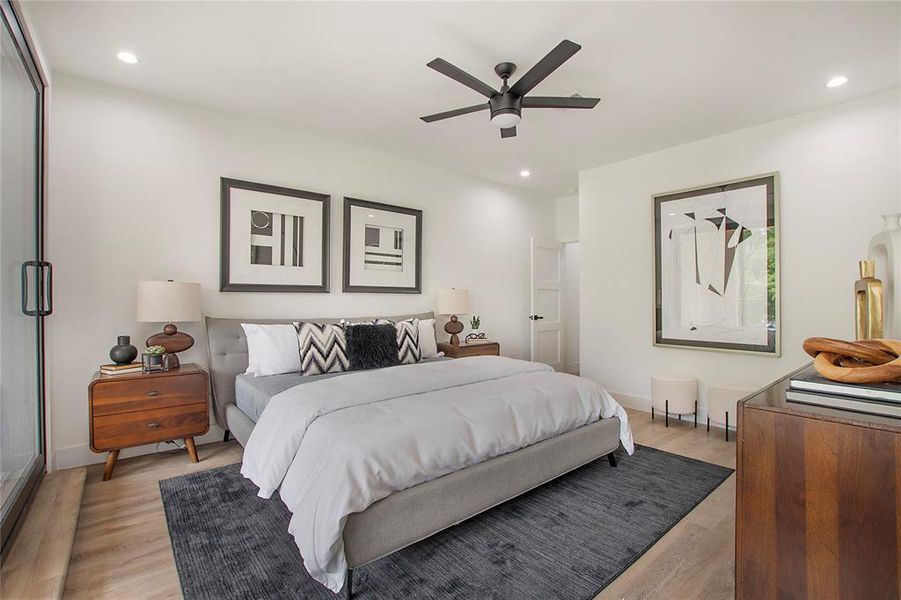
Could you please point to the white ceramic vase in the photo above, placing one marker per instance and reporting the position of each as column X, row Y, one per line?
column 885, row 249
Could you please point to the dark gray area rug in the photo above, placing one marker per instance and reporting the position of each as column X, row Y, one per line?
column 566, row 539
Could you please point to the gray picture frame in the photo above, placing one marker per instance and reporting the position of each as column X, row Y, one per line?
column 348, row 286
column 225, row 283
column 772, row 348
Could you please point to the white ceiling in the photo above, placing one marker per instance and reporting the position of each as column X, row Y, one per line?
column 667, row 73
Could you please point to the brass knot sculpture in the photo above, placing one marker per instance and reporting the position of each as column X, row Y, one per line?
column 864, row 361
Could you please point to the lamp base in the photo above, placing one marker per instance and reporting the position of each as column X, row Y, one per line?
column 173, row 341
column 453, row 327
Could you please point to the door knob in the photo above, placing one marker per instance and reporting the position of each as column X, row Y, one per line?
column 535, row 317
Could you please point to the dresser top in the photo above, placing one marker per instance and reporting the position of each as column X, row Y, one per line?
column 772, row 397
column 184, row 369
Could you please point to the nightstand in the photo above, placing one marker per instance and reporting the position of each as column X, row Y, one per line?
column 144, row 408
column 464, row 350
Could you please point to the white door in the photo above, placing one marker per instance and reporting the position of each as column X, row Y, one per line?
column 547, row 303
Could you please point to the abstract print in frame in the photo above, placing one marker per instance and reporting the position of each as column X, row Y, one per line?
column 382, row 248
column 273, row 239
column 716, row 251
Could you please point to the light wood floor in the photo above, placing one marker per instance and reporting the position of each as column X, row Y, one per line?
column 122, row 545
column 35, row 566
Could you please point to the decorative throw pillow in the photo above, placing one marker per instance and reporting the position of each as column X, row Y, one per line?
column 323, row 348
column 428, row 345
column 408, row 351
column 371, row 346
column 271, row 349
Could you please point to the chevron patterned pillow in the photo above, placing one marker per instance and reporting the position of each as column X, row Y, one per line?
column 323, row 348
column 408, row 350
column 408, row 341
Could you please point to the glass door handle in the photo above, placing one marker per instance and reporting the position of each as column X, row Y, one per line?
column 46, row 288
column 45, row 294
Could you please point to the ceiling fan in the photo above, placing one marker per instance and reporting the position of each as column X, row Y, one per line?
column 506, row 105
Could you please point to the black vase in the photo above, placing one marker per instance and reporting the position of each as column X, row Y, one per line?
column 123, row 353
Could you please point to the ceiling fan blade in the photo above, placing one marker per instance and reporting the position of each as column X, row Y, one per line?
column 553, row 102
column 508, row 132
column 455, row 113
column 545, row 67
column 458, row 74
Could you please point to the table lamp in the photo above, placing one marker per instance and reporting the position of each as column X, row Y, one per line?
column 453, row 302
column 167, row 302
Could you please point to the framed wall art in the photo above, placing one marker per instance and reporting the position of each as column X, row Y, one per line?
column 382, row 248
column 716, row 267
column 273, row 239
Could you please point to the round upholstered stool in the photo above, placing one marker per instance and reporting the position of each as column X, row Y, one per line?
column 674, row 394
column 721, row 404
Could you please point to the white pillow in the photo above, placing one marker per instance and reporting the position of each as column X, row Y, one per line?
column 271, row 349
column 428, row 346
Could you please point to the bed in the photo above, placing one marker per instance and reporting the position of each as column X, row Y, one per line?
column 405, row 515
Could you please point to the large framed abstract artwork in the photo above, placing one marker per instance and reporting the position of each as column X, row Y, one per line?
column 716, row 267
column 273, row 239
column 382, row 248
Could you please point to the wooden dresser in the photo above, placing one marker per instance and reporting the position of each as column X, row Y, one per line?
column 818, row 506
column 464, row 350
column 144, row 408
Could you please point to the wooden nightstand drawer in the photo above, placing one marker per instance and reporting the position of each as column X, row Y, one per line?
column 464, row 350
column 148, row 426
column 114, row 397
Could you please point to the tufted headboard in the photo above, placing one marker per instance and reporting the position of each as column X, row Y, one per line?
column 228, row 353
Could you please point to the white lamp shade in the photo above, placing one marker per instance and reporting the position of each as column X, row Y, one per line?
column 453, row 302
column 168, row 301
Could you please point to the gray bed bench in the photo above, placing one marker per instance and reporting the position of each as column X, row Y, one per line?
column 421, row 511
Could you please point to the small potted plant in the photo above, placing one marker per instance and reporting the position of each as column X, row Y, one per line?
column 152, row 359
column 474, row 323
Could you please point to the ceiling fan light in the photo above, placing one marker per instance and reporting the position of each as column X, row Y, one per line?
column 505, row 120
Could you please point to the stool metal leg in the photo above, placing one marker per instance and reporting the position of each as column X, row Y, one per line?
column 727, row 425
column 708, row 423
column 696, row 414
column 652, row 412
column 667, row 413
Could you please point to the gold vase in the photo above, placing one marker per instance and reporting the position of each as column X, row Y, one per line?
column 868, row 306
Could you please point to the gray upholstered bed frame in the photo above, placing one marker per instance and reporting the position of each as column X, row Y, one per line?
column 416, row 513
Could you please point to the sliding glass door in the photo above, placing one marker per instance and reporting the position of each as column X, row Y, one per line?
column 24, row 277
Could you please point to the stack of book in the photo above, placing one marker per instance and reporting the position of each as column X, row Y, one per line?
column 809, row 387
column 120, row 369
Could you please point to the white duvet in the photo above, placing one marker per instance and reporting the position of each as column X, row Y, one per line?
column 336, row 446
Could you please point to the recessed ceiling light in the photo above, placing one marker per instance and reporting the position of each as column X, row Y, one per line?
column 525, row 173
column 837, row 81
column 371, row 216
column 127, row 57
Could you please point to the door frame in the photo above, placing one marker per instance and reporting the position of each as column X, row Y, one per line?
column 12, row 20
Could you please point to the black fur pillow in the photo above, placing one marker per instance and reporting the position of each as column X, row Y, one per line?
column 371, row 346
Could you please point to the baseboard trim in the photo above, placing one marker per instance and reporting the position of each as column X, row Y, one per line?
column 81, row 455
column 633, row 402
column 572, row 368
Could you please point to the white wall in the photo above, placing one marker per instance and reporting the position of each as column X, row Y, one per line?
column 566, row 216
column 134, row 195
column 571, row 319
column 839, row 171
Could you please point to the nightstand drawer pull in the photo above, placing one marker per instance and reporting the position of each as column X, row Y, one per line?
column 153, row 425
column 153, row 393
